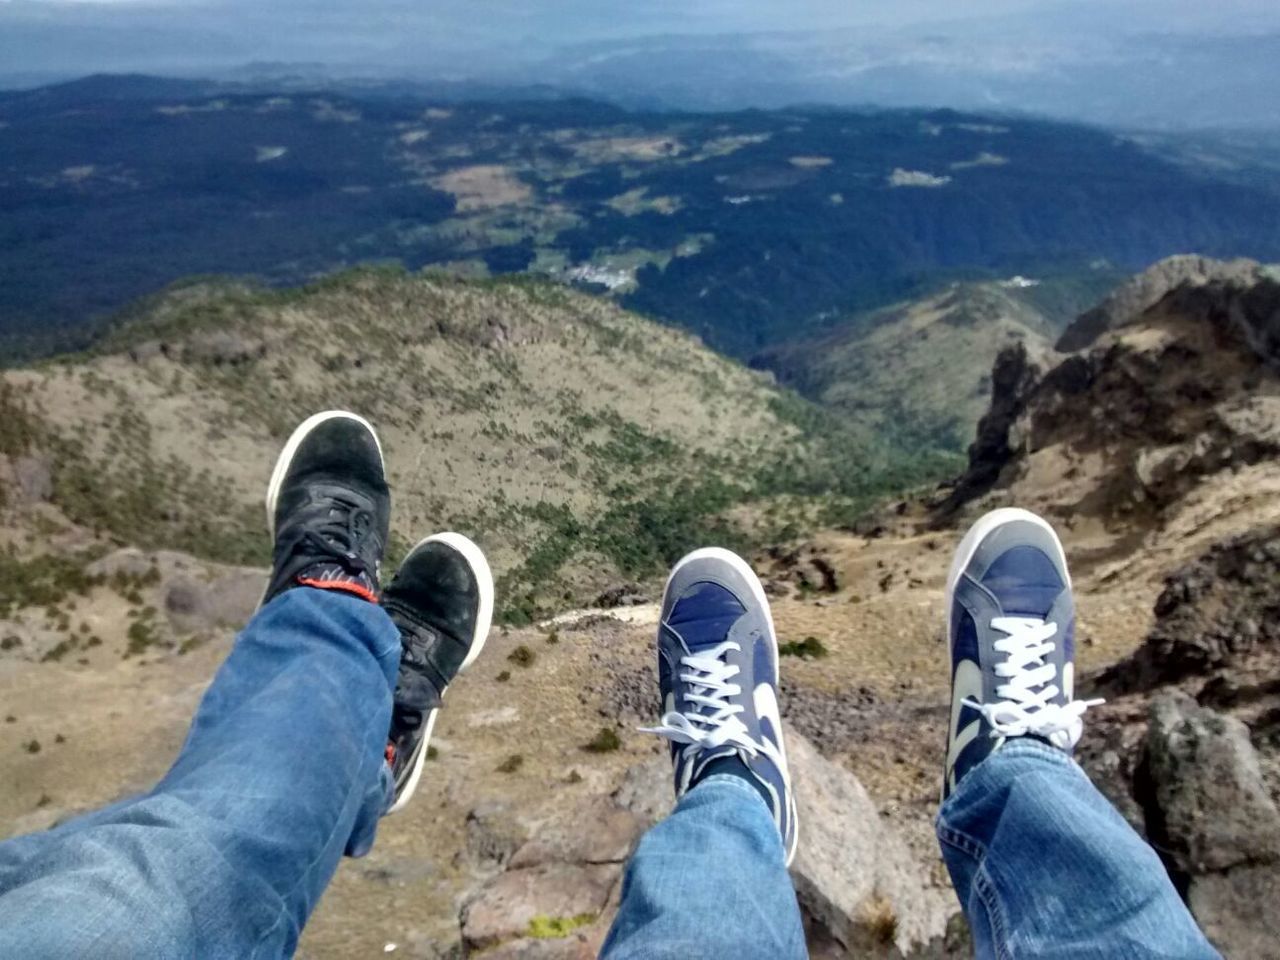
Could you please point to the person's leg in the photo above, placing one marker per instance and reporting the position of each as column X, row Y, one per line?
column 296, row 751
column 283, row 769
column 711, row 879
column 1041, row 862
column 229, row 853
column 1045, row 867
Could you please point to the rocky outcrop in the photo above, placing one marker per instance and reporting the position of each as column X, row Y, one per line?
column 1214, row 613
column 803, row 567
column 1207, row 784
column 1013, row 379
column 622, row 595
column 25, row 480
column 219, row 348
column 198, row 596
column 1187, row 744
column 1216, row 823
column 1175, row 395
column 612, row 834
column 536, row 902
column 1151, row 286
column 853, row 874
column 494, row 834
column 556, row 891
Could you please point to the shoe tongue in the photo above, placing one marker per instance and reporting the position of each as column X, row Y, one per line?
column 704, row 615
column 1033, row 603
column 1025, row 582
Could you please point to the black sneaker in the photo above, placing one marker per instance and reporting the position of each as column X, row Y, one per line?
column 328, row 508
column 442, row 601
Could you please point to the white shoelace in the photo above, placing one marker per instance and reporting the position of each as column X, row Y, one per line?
column 1024, row 706
column 710, row 687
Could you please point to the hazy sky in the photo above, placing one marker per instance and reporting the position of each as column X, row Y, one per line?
column 576, row 19
column 497, row 39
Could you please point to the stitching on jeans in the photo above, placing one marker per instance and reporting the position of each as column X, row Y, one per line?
column 965, row 844
column 985, row 889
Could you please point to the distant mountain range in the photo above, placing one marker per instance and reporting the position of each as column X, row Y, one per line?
column 750, row 228
column 1156, row 80
column 1162, row 64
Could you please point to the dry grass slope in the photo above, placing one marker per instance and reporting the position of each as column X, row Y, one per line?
column 575, row 441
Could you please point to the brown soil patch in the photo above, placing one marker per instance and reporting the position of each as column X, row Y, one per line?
column 483, row 187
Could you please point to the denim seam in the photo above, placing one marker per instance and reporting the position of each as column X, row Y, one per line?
column 985, row 888
column 964, row 843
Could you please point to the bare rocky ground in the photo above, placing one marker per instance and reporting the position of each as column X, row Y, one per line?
column 874, row 706
column 1154, row 451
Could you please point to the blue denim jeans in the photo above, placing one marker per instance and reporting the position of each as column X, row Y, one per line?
column 281, row 773
column 1045, row 867
column 709, row 881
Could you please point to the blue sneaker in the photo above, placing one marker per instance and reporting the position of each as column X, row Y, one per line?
column 718, row 675
column 1011, row 627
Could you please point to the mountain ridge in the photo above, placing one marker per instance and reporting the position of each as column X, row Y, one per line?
column 579, row 443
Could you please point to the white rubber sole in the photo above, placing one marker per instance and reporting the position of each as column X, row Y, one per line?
column 484, row 620
column 291, row 449
column 757, row 590
column 983, row 528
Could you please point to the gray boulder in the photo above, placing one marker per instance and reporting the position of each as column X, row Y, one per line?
column 1209, row 788
column 1216, row 612
column 598, row 832
column 222, row 348
column 1218, row 823
column 225, row 597
column 857, row 882
column 853, row 873
column 520, row 903
column 494, row 834
column 1237, row 910
column 646, row 790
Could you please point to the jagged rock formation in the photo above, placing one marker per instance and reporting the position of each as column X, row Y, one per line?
column 1183, row 391
column 1155, row 447
column 1129, row 301
column 802, row 567
column 1013, row 378
column 1189, row 747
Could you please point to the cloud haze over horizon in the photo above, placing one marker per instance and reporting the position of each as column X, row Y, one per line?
column 840, row 51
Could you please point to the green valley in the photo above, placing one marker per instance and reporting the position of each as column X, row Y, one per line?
column 749, row 229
